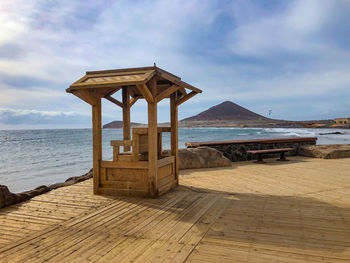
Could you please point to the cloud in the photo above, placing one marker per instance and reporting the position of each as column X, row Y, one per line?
column 47, row 114
column 20, row 96
column 246, row 51
column 35, row 117
column 290, row 31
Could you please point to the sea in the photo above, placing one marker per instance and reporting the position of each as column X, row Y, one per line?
column 30, row 158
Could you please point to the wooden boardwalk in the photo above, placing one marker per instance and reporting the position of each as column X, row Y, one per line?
column 296, row 211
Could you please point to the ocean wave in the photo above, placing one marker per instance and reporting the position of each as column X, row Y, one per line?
column 27, row 154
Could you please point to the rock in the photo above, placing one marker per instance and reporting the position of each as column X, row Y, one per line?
column 330, row 151
column 201, row 157
column 329, row 133
column 8, row 198
column 72, row 180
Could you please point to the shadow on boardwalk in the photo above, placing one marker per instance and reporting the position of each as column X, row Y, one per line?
column 304, row 223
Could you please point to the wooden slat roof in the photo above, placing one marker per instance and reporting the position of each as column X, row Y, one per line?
column 126, row 77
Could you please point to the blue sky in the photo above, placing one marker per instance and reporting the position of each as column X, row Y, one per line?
column 291, row 57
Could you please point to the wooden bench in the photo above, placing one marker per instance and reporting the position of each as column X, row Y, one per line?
column 260, row 153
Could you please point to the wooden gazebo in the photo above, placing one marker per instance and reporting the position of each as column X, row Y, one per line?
column 140, row 169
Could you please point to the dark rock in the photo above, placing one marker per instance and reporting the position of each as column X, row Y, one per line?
column 327, row 133
column 237, row 152
column 8, row 198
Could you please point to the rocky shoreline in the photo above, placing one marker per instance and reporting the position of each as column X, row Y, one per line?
column 190, row 158
column 321, row 124
column 8, row 198
column 203, row 157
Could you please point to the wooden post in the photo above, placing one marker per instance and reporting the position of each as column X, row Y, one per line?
column 96, row 143
column 174, row 133
column 126, row 116
column 152, row 142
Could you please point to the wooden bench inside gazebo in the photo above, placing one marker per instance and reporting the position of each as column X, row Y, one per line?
column 138, row 167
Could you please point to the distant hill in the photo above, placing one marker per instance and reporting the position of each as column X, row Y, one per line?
column 226, row 111
column 118, row 124
column 229, row 114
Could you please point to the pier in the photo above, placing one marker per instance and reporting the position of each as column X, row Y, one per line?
column 296, row 211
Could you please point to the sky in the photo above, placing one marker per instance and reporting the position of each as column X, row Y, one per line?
column 287, row 57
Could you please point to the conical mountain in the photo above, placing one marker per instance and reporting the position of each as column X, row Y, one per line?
column 227, row 111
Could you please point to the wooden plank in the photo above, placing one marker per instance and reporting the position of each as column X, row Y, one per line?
column 167, row 92
column 126, row 117
column 120, row 71
column 113, row 100
column 277, row 140
column 129, row 175
column 186, row 97
column 56, row 241
column 108, row 84
column 166, row 160
column 96, row 143
column 174, row 134
column 271, row 150
column 126, row 165
column 116, row 152
column 110, row 74
column 120, row 143
column 159, row 144
column 145, row 130
column 135, row 146
column 167, row 170
column 152, row 142
column 123, row 192
column 133, row 100
column 166, row 180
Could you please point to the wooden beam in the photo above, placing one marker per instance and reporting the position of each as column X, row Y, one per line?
column 96, row 143
column 132, row 90
column 183, row 91
column 104, row 92
column 126, row 116
column 152, row 86
column 113, row 91
column 120, row 143
column 133, row 100
column 187, row 86
column 176, row 80
column 122, row 71
column 185, row 98
column 174, row 134
column 145, row 92
column 149, row 75
column 86, row 96
column 152, row 143
column 115, row 101
column 166, row 93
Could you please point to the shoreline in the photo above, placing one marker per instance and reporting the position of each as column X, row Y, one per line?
column 8, row 198
column 259, row 126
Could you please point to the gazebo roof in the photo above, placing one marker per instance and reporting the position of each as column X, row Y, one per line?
column 109, row 81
